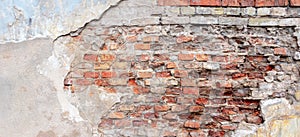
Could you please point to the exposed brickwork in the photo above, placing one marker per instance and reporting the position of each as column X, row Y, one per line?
column 198, row 71
column 232, row 3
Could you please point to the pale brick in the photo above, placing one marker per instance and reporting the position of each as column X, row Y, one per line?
column 187, row 10
column 145, row 21
column 233, row 21
column 175, row 20
column 264, row 11
column 249, row 11
column 172, row 11
column 279, row 11
column 232, row 11
column 209, row 10
column 289, row 22
column 204, row 20
column 263, row 22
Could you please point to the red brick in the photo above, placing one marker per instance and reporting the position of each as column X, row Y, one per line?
column 196, row 109
column 224, row 84
column 229, row 66
column 151, row 39
column 161, row 108
column 141, row 90
column 220, row 59
column 144, row 57
column 131, row 39
column 132, row 82
column 138, row 123
column 116, row 115
column 101, row 82
column 188, row 82
column 229, row 111
column 255, row 75
column 216, row 133
column 191, row 91
column 205, row 2
column 202, row 57
column 163, row 74
column 254, row 119
column 91, row 74
column 192, row 124
column 106, row 123
column 280, row 51
column 264, row 3
column 186, row 57
column 238, row 3
column 229, row 127
column 295, row 2
column 238, row 75
column 161, row 57
column 170, row 116
column 169, row 99
column 107, row 57
column 173, row 91
column 108, row 74
column 83, row 82
column 201, row 101
column 180, row 73
column 173, row 2
column 256, row 58
column 90, row 57
column 122, row 123
column 142, row 46
column 151, row 115
column 171, row 65
column 184, row 39
column 144, row 74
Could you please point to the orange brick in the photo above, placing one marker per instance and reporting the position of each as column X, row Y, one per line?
column 184, row 39
column 202, row 57
column 131, row 39
column 91, row 74
column 186, row 57
column 107, row 57
column 144, row 74
column 116, row 115
column 108, row 74
column 205, row 2
column 192, row 124
column 280, row 51
column 295, row 2
column 171, row 65
column 142, row 46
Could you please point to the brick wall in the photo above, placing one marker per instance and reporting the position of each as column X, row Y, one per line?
column 183, row 69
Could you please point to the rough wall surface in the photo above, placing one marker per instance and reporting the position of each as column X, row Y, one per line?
column 192, row 71
column 182, row 68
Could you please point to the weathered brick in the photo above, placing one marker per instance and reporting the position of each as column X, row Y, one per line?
column 118, row 82
column 192, row 124
column 120, row 65
column 229, row 127
column 171, row 65
column 101, row 82
column 201, row 101
column 186, row 57
column 187, row 10
column 163, row 74
column 216, row 133
column 205, row 2
column 191, row 91
column 102, row 66
column 91, row 74
column 173, row 2
column 264, row 3
column 233, row 21
column 295, row 3
column 126, row 107
column 83, row 82
column 238, row 3
column 142, row 46
column 151, row 39
column 90, row 57
column 144, row 74
column 188, row 82
column 184, row 39
column 116, row 115
column 196, row 109
column 232, row 11
column 180, row 73
column 209, row 10
column 248, row 11
column 170, row 116
column 140, row 90
column 280, row 51
column 107, row 57
column 131, row 39
column 202, row 57
column 161, row 108
column 122, row 123
column 263, row 22
column 204, row 20
column 175, row 20
column 178, row 108
column 279, row 11
column 108, row 74
column 139, row 123
column 264, row 11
